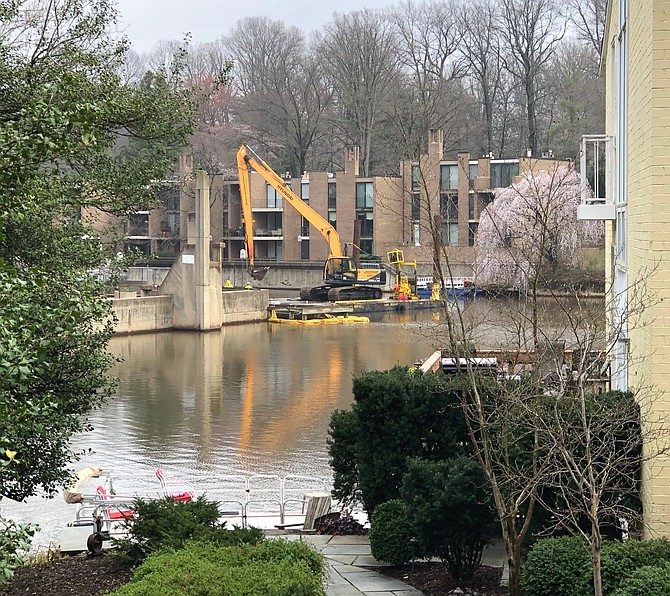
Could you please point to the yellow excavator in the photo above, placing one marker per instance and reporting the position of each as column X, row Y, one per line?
column 342, row 279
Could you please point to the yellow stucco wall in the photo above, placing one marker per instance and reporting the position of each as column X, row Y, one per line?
column 648, row 230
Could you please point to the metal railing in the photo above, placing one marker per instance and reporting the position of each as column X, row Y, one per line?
column 267, row 497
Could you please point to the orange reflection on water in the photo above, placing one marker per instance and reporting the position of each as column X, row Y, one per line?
column 305, row 407
column 247, row 407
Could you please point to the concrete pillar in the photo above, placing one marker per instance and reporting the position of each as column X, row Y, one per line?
column 208, row 301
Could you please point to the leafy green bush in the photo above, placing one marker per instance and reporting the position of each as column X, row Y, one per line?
column 166, row 523
column 621, row 559
column 271, row 568
column 343, row 435
column 645, row 581
column 450, row 511
column 426, row 422
column 558, row 567
column 390, row 533
column 14, row 544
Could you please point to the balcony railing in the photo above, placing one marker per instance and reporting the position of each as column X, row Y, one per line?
column 597, row 178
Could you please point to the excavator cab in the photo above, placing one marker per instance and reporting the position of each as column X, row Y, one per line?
column 341, row 270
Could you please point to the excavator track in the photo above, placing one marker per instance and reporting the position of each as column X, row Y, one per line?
column 314, row 294
column 354, row 293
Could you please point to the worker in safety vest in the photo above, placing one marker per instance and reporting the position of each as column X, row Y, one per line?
column 248, row 286
column 228, row 284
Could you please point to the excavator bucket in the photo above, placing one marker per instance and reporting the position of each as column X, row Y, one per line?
column 258, row 273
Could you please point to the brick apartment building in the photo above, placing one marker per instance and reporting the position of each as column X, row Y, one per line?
column 394, row 211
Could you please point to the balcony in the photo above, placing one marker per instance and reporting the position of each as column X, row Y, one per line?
column 267, row 234
column 597, row 178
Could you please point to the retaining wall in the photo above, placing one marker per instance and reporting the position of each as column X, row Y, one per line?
column 151, row 313
column 155, row 313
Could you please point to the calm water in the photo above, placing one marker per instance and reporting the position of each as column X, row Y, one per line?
column 251, row 399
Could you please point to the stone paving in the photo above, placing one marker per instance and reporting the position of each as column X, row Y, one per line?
column 347, row 555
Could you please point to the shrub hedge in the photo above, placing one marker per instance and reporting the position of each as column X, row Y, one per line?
column 646, row 581
column 271, row 568
column 402, row 414
column 558, row 567
column 621, row 559
column 562, row 566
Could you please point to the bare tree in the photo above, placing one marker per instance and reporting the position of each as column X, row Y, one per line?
column 162, row 55
column 540, row 428
column 598, row 445
column 429, row 94
column 589, row 17
column 577, row 106
column 283, row 95
column 483, row 54
column 134, row 67
column 359, row 53
column 532, row 29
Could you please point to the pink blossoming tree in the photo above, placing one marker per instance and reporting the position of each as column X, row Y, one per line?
column 530, row 232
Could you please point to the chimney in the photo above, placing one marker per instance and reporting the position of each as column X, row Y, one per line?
column 436, row 143
column 352, row 160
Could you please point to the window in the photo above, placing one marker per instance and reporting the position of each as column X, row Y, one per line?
column 332, row 218
column 170, row 197
column 138, row 224
column 304, row 191
column 471, row 206
column 450, row 234
column 472, row 233
column 449, row 206
column 366, row 245
column 474, row 172
column 364, row 195
column 449, row 177
column 364, row 205
column 332, row 195
column 274, row 199
column 416, row 207
column 502, row 174
column 304, row 227
column 304, row 250
column 621, row 236
column 416, row 178
column 416, row 234
column 449, row 214
column 365, row 217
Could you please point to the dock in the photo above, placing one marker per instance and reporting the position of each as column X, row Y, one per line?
column 302, row 312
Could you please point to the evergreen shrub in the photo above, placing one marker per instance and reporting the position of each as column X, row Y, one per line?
column 166, row 523
column 450, row 511
column 342, row 439
column 402, row 414
column 558, row 566
column 270, row 568
column 645, row 581
column 621, row 559
column 390, row 533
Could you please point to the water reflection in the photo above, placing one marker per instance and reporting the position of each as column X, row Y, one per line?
column 249, row 399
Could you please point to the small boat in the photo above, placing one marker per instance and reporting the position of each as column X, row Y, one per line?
column 453, row 286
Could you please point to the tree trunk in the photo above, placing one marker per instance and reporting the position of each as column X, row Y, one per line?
column 596, row 544
column 513, row 548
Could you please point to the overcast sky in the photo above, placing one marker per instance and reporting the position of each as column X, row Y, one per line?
column 147, row 21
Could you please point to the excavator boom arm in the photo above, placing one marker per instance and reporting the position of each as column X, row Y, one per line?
column 246, row 158
column 245, row 194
